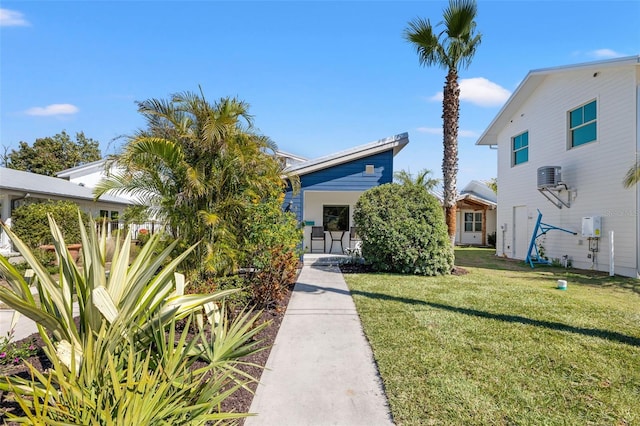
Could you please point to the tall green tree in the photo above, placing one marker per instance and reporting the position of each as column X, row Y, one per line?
column 452, row 49
column 199, row 166
column 404, row 177
column 49, row 155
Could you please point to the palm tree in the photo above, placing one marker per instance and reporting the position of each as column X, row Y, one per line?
column 451, row 49
column 492, row 184
column 199, row 166
column 633, row 175
column 405, row 177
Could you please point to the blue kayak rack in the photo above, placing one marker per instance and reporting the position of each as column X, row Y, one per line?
column 533, row 256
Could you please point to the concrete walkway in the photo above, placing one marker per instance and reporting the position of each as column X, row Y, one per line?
column 321, row 369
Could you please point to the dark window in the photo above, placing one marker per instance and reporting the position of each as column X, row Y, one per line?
column 520, row 148
column 473, row 222
column 583, row 124
column 335, row 218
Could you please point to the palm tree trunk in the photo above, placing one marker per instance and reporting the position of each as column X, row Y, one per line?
column 450, row 117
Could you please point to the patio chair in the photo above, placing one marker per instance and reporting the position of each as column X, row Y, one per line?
column 317, row 234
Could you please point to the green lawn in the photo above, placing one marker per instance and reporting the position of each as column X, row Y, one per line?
column 501, row 345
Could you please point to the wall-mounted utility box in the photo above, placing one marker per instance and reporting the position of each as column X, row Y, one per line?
column 592, row 227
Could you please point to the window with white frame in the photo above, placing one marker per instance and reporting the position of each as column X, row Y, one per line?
column 583, row 124
column 473, row 222
column 520, row 148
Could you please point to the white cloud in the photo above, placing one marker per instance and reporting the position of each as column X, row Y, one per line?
column 479, row 91
column 12, row 18
column 430, row 130
column 605, row 54
column 468, row 134
column 53, row 109
column 438, row 131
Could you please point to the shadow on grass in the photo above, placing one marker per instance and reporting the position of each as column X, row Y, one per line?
column 486, row 259
column 517, row 319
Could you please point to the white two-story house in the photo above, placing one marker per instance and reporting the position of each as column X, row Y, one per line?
column 565, row 140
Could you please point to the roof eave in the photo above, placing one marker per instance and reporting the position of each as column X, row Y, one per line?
column 395, row 143
column 533, row 79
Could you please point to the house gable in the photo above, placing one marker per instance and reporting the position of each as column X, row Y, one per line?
column 354, row 170
column 591, row 173
column 352, row 176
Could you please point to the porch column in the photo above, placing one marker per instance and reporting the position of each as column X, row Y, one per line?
column 484, row 226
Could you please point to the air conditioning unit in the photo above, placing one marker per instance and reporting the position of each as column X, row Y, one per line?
column 548, row 176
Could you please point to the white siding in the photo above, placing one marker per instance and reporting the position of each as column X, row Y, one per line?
column 474, row 238
column 594, row 170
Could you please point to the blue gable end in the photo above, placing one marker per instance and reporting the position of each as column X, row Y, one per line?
column 350, row 176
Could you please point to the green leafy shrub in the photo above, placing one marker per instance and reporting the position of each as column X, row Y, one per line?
column 30, row 222
column 270, row 284
column 208, row 283
column 143, row 236
column 403, row 230
column 272, row 251
column 14, row 353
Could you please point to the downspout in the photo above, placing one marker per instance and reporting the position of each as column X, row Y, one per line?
column 484, row 225
column 637, row 184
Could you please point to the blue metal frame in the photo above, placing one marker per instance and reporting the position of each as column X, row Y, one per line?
column 541, row 229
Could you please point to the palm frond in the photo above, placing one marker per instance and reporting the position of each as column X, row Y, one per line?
column 633, row 176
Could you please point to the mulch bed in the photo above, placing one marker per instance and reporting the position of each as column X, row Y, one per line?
column 238, row 402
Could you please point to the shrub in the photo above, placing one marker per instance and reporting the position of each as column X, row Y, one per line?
column 143, row 236
column 30, row 222
column 403, row 230
column 272, row 252
column 491, row 239
column 14, row 353
column 206, row 283
column 270, row 284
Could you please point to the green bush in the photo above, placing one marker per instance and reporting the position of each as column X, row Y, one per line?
column 403, row 230
column 272, row 241
column 491, row 239
column 30, row 222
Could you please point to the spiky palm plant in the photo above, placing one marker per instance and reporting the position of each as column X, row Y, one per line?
column 123, row 315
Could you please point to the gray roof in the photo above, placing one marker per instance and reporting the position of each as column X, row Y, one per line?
column 94, row 165
column 17, row 180
column 396, row 143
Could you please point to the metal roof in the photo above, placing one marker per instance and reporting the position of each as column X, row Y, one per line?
column 396, row 143
column 17, row 180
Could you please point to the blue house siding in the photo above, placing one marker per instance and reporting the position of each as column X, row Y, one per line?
column 349, row 176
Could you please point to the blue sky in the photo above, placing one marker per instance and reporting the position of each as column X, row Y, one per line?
column 320, row 76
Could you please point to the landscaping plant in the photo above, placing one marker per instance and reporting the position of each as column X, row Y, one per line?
column 403, row 230
column 122, row 320
column 14, row 353
column 30, row 224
